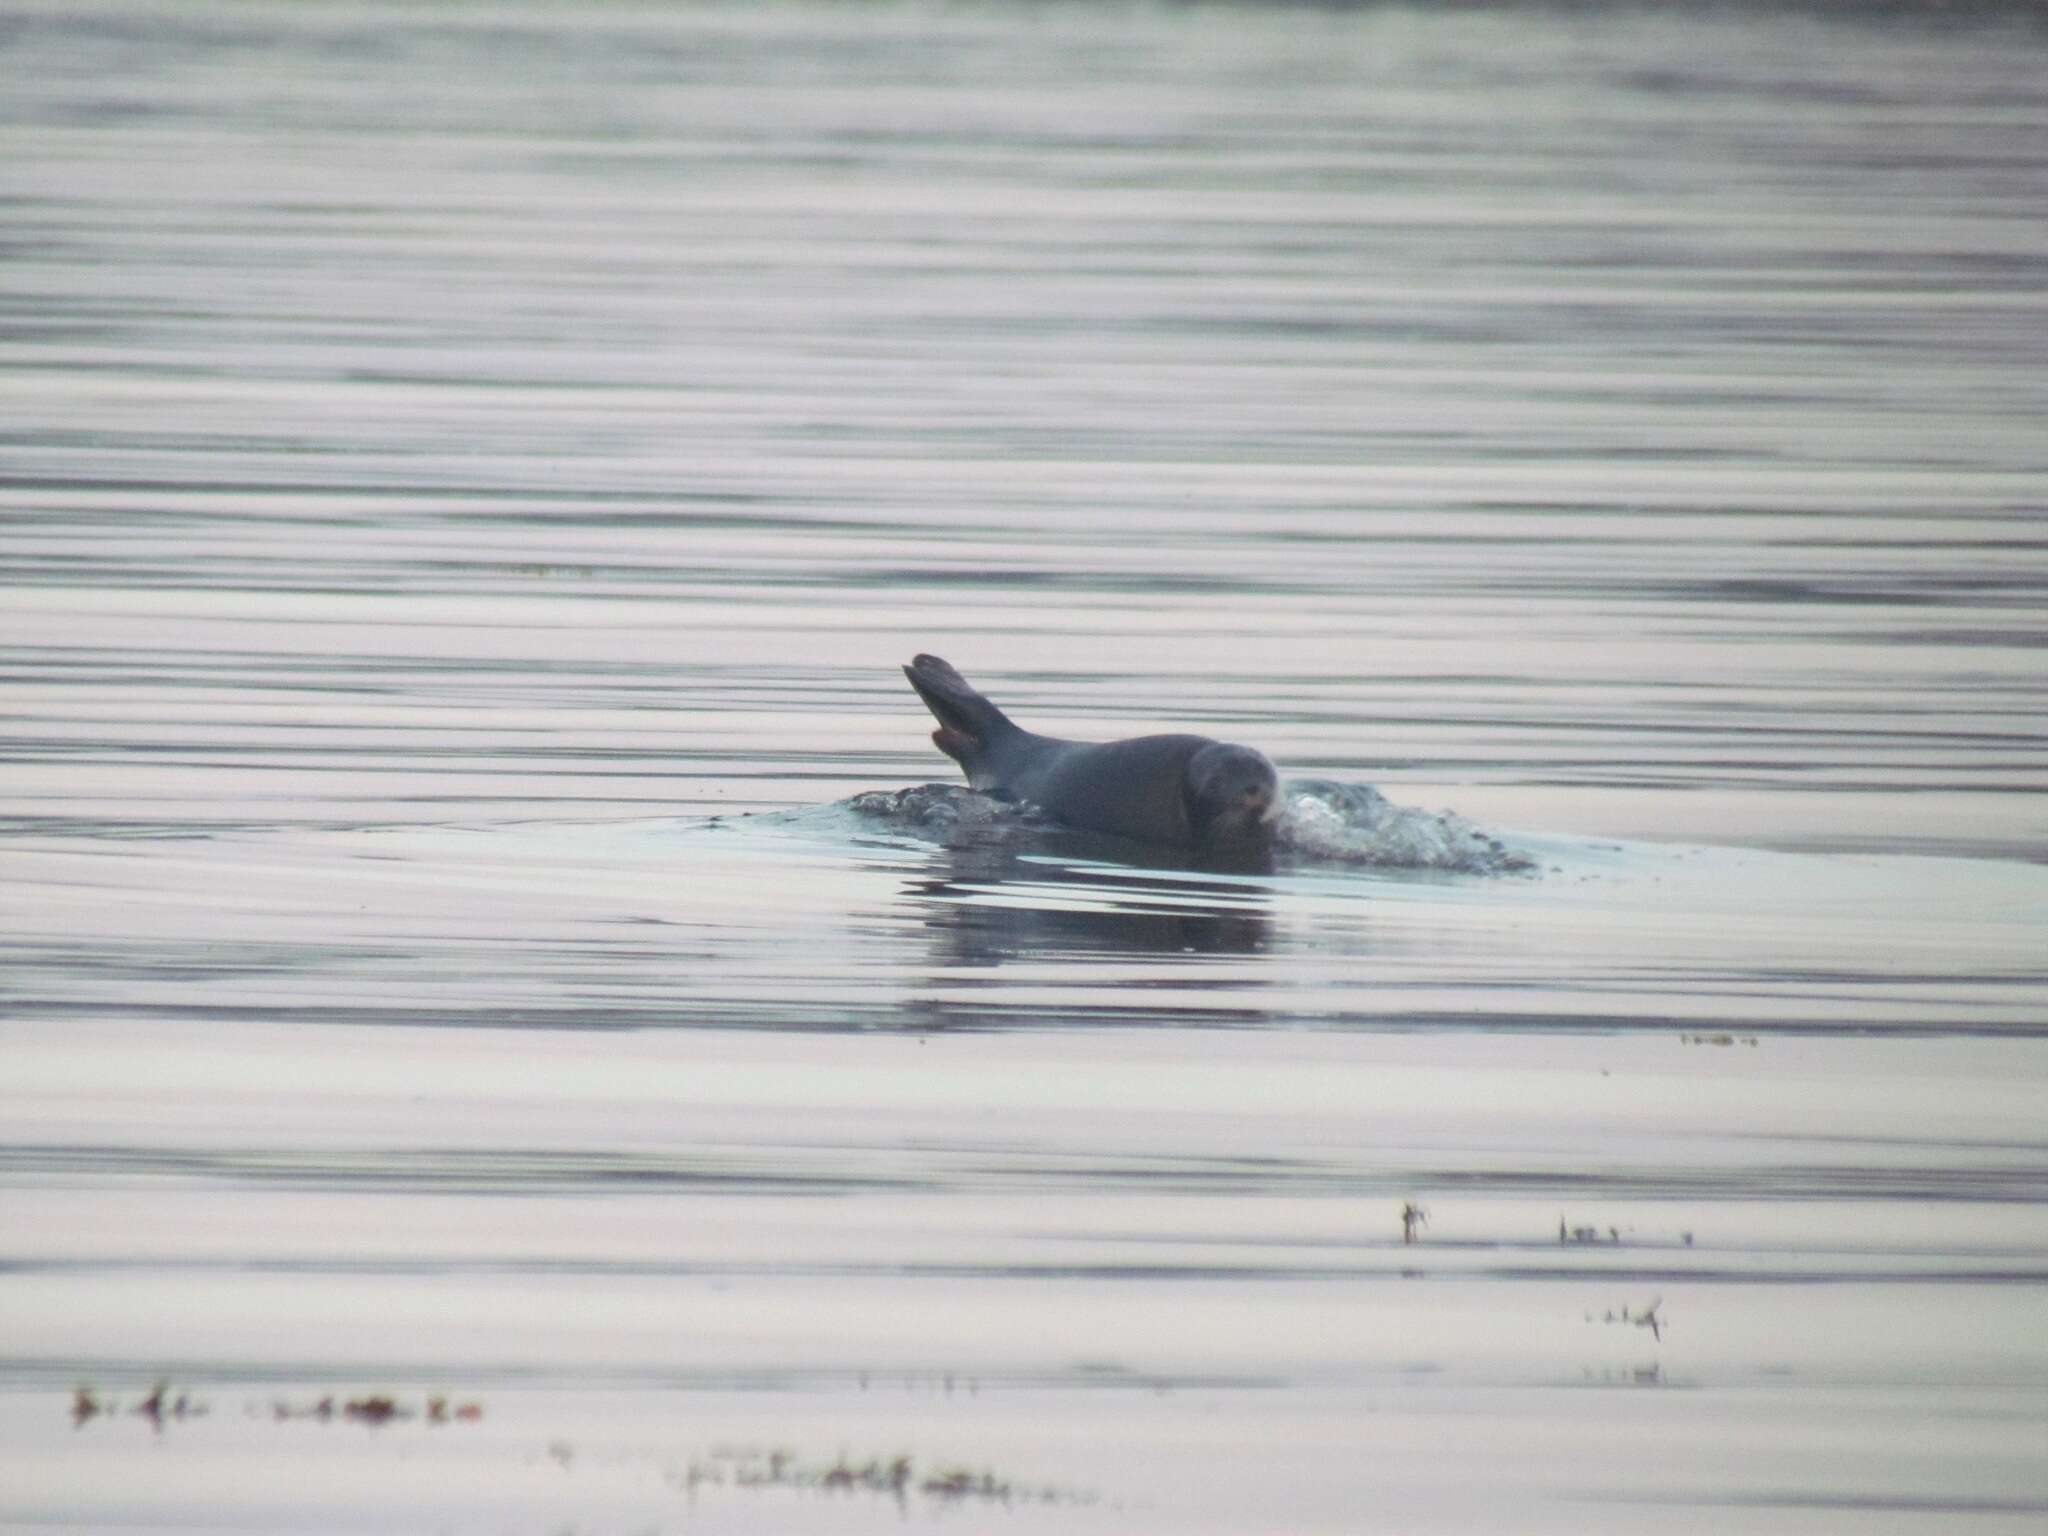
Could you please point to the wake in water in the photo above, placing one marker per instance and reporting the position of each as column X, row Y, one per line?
column 1356, row 824
column 1321, row 822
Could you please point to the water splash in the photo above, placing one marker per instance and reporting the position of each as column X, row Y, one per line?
column 1322, row 822
column 1327, row 821
column 947, row 813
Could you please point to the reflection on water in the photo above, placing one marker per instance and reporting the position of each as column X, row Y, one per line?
column 988, row 904
column 469, row 476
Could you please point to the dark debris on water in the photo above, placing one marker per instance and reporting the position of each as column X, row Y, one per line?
column 160, row 1407
column 375, row 1409
column 897, row 1478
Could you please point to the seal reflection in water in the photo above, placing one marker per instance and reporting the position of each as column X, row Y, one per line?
column 1183, row 791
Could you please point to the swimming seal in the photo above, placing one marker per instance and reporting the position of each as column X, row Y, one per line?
column 1188, row 791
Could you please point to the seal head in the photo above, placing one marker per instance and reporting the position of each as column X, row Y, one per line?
column 1233, row 794
column 1187, row 791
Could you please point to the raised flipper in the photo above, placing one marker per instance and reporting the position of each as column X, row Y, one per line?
column 969, row 725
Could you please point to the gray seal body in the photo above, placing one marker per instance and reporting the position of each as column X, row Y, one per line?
column 1187, row 791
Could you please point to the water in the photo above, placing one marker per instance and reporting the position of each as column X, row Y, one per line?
column 470, row 476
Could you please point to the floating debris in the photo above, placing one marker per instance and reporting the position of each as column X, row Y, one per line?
column 440, row 1411
column 1412, row 1217
column 965, row 1485
column 162, row 1406
column 872, row 1475
column 1587, row 1235
column 159, row 1407
column 374, row 1410
column 378, row 1409
column 1649, row 1317
column 894, row 1477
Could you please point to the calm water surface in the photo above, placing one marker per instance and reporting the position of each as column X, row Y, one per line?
column 469, row 475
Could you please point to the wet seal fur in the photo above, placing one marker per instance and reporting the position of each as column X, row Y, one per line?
column 1182, row 791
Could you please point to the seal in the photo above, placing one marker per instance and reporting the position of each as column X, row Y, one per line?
column 1186, row 791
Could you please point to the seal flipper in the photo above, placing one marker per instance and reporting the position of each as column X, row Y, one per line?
column 969, row 725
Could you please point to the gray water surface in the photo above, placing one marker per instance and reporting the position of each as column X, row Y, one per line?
column 469, row 477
